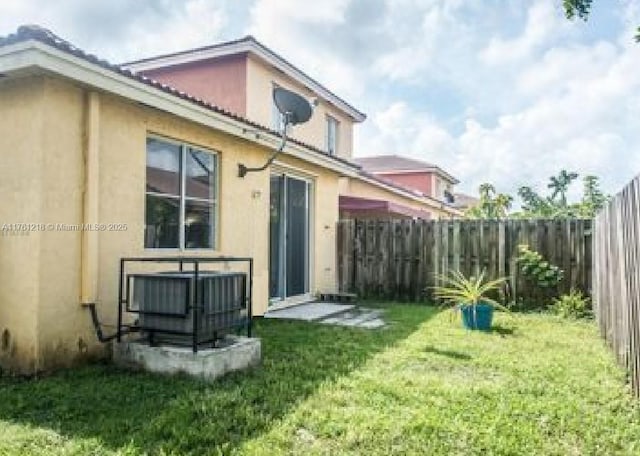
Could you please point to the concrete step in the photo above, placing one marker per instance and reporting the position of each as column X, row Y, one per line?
column 313, row 311
column 357, row 318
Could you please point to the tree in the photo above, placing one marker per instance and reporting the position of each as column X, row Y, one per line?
column 560, row 184
column 534, row 205
column 492, row 205
column 556, row 205
column 581, row 9
column 593, row 199
column 496, row 206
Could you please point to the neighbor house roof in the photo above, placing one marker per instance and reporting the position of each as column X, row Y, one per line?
column 363, row 206
column 463, row 201
column 248, row 45
column 393, row 164
column 22, row 52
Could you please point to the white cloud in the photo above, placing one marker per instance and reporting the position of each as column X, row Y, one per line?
column 121, row 29
column 505, row 91
column 544, row 24
column 584, row 117
column 287, row 27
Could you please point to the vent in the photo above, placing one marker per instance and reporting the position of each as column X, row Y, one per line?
column 166, row 301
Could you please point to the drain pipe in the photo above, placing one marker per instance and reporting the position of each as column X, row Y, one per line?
column 90, row 216
column 98, row 327
column 89, row 248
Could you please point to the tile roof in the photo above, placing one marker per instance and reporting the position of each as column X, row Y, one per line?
column 462, row 200
column 392, row 163
column 45, row 36
column 382, row 164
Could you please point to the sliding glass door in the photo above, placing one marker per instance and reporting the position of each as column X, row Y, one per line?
column 288, row 237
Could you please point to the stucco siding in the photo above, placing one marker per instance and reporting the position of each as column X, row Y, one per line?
column 21, row 146
column 220, row 81
column 63, row 328
column 43, row 147
column 418, row 181
column 260, row 82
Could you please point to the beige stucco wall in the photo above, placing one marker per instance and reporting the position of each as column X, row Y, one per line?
column 21, row 109
column 41, row 178
column 260, row 82
column 363, row 189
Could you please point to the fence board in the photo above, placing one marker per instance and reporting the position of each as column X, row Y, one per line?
column 616, row 277
column 401, row 259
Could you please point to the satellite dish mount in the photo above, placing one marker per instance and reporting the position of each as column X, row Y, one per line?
column 295, row 110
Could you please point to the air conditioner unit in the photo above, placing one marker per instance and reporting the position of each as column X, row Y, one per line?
column 165, row 302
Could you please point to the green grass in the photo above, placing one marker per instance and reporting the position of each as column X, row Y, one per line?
column 536, row 385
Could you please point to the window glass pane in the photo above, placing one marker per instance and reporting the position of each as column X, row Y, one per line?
column 332, row 131
column 277, row 119
column 163, row 167
column 200, row 170
column 162, row 224
column 198, row 225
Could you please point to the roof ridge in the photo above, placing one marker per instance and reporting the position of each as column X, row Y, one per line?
column 196, row 49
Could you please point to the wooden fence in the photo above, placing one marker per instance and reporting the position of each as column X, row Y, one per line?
column 400, row 259
column 616, row 277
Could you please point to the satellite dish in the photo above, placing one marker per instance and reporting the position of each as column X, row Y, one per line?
column 295, row 108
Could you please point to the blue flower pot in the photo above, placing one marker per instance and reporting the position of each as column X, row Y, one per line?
column 479, row 316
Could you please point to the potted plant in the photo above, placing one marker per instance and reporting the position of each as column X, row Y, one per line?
column 470, row 297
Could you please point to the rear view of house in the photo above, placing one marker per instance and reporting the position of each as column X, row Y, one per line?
column 87, row 144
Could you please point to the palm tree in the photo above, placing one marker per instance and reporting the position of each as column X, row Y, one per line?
column 560, row 184
column 502, row 204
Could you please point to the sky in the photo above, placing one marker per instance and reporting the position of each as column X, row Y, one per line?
column 501, row 91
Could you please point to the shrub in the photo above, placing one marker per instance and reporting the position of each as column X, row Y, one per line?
column 572, row 305
column 534, row 267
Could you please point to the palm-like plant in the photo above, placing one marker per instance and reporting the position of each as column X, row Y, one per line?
column 560, row 184
column 461, row 291
column 502, row 204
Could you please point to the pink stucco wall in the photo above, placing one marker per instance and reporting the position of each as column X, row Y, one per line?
column 222, row 81
column 414, row 181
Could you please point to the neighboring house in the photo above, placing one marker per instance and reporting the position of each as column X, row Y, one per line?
column 462, row 201
column 240, row 75
column 86, row 142
column 426, row 178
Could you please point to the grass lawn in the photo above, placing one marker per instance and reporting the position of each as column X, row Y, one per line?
column 537, row 385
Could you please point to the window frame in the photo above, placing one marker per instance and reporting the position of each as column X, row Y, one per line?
column 182, row 198
column 277, row 119
column 332, row 120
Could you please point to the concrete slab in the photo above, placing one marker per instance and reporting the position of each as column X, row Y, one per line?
column 359, row 317
column 311, row 311
column 236, row 353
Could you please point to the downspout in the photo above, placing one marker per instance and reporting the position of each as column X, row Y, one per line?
column 90, row 215
column 89, row 262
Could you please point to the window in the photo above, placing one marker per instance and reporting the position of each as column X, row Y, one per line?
column 180, row 196
column 332, row 135
column 277, row 119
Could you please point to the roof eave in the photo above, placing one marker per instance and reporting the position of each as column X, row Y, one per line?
column 429, row 201
column 432, row 169
column 33, row 54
